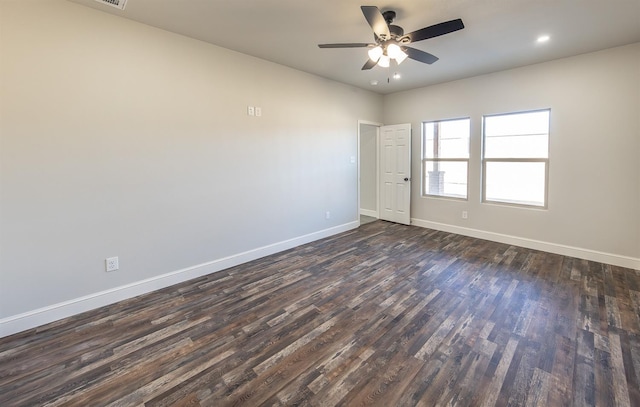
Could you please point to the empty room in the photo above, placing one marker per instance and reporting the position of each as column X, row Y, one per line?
column 285, row 202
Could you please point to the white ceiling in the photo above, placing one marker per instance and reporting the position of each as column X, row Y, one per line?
column 498, row 34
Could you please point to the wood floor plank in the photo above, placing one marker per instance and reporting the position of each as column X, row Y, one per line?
column 493, row 391
column 386, row 314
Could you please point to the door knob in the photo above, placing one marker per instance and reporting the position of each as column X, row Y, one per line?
column 406, row 179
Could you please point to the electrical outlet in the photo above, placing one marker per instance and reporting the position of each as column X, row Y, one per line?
column 251, row 111
column 258, row 111
column 465, row 215
column 327, row 215
column 111, row 264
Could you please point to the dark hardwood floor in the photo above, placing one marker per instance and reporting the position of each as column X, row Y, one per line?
column 385, row 315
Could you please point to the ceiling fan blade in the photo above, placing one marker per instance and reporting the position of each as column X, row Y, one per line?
column 421, row 56
column 376, row 21
column 369, row 64
column 345, row 45
column 435, row 30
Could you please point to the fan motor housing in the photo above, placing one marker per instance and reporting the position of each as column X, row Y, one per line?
column 396, row 31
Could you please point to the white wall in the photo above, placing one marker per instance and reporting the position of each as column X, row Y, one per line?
column 119, row 139
column 368, row 169
column 594, row 189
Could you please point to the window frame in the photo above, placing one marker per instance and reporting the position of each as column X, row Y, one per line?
column 516, row 160
column 425, row 160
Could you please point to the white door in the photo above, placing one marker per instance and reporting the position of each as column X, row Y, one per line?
column 395, row 173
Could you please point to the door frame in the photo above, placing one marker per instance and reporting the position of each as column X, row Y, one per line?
column 377, row 125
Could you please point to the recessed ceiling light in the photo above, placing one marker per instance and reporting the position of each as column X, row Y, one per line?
column 373, row 82
column 543, row 38
column 397, row 75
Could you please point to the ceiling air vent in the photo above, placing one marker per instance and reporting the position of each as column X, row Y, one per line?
column 114, row 3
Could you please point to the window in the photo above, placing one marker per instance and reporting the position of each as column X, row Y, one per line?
column 445, row 158
column 516, row 158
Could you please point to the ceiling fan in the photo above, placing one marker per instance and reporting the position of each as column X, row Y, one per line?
column 391, row 41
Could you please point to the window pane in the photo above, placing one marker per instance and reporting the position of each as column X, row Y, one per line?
column 518, row 123
column 446, row 139
column 520, row 135
column 516, row 182
column 446, row 178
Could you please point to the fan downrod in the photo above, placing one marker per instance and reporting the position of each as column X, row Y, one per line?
column 389, row 16
column 395, row 30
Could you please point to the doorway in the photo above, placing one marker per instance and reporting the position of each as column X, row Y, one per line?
column 368, row 174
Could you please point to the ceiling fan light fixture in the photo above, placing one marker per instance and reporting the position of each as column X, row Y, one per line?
column 394, row 51
column 401, row 57
column 384, row 61
column 390, row 40
column 375, row 53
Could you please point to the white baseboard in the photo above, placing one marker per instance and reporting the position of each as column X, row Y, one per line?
column 369, row 212
column 586, row 254
column 41, row 316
